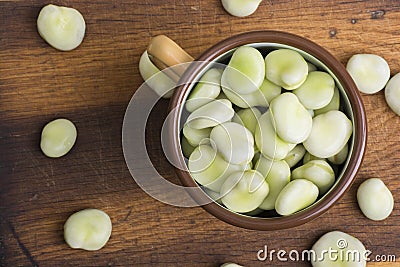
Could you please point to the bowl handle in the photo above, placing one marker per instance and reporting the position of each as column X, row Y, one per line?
column 168, row 56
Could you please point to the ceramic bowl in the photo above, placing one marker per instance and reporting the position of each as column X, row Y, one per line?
column 351, row 104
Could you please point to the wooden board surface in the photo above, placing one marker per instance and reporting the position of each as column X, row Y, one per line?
column 92, row 86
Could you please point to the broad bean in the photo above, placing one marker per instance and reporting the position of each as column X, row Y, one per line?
column 329, row 134
column 61, row 27
column 375, row 199
column 245, row 71
column 58, row 137
column 317, row 90
column 206, row 90
column 392, row 93
column 244, row 191
column 370, row 72
column 317, row 171
column 286, row 68
column 211, row 114
column 234, row 141
column 291, row 120
column 88, row 229
column 295, row 196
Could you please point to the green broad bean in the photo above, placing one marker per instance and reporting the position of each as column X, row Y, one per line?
column 248, row 118
column 230, row 264
column 261, row 97
column 375, row 199
column 211, row 114
column 317, row 171
column 253, row 99
column 240, row 8
column 295, row 196
column 329, row 134
column 88, row 229
column 209, row 169
column 157, row 80
column 340, row 157
column 333, row 105
column 369, row 72
column 308, row 157
column 195, row 136
column 61, row 27
column 269, row 90
column 392, row 93
column 277, row 176
column 244, row 191
column 292, row 121
column 295, row 155
column 268, row 142
column 58, row 137
column 234, row 141
column 352, row 251
column 286, row 68
column 187, row 148
column 245, row 71
column 317, row 90
column 206, row 90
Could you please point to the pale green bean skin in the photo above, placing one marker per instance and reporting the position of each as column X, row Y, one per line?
column 286, row 68
column 195, row 136
column 375, row 199
column 61, row 27
column 340, row 157
column 157, row 80
column 277, row 175
column 270, row 90
column 211, row 114
column 295, row 196
column 244, row 191
column 329, row 134
column 350, row 252
column 248, row 118
column 317, row 90
column 291, row 120
column 234, row 141
column 318, row 172
column 253, row 99
column 245, row 71
column 58, row 137
column 187, row 148
column 333, row 105
column 209, row 169
column 370, row 72
column 240, row 8
column 261, row 97
column 207, row 89
column 308, row 157
column 268, row 142
column 230, row 264
column 392, row 93
column 295, row 155
column 88, row 229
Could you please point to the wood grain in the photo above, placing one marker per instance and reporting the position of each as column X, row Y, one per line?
column 92, row 86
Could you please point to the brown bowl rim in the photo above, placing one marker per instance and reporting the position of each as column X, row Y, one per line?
column 359, row 119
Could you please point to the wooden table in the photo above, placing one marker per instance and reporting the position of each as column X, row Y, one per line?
column 92, row 86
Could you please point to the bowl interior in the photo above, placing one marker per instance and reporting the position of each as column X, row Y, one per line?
column 350, row 104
